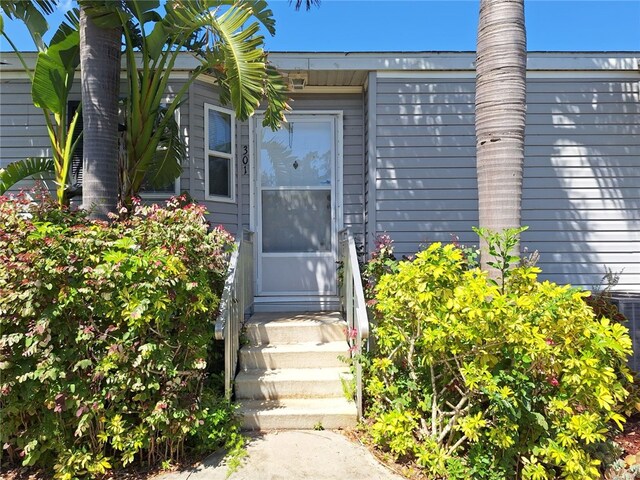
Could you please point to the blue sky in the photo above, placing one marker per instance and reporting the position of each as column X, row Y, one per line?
column 419, row 25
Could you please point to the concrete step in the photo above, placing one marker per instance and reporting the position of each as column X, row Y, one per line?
column 293, row 355
column 298, row 414
column 291, row 383
column 295, row 327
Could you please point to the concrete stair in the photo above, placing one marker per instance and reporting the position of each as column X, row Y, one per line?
column 291, row 376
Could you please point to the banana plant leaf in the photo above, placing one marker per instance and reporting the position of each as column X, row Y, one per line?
column 23, row 169
column 55, row 70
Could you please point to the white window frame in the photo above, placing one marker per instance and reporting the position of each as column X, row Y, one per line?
column 231, row 156
column 156, row 194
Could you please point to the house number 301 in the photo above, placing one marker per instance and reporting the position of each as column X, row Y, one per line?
column 245, row 160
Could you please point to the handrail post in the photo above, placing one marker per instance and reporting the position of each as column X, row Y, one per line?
column 353, row 304
column 237, row 297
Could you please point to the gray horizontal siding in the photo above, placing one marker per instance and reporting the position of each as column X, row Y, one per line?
column 581, row 199
column 22, row 128
column 23, row 132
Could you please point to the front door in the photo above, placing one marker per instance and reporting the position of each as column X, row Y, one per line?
column 296, row 206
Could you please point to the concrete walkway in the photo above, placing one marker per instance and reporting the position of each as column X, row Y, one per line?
column 293, row 455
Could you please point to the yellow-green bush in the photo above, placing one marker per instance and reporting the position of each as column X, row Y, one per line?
column 478, row 379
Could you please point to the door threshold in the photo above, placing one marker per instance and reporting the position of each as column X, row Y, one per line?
column 296, row 303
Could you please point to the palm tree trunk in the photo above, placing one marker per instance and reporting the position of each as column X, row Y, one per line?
column 500, row 114
column 100, row 76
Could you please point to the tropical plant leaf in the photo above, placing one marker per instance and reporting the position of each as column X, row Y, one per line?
column 104, row 13
column 243, row 56
column 259, row 9
column 165, row 165
column 71, row 23
column 32, row 14
column 55, row 69
column 224, row 35
column 277, row 95
column 156, row 40
column 22, row 169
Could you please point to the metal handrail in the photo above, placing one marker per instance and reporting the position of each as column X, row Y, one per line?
column 235, row 303
column 353, row 305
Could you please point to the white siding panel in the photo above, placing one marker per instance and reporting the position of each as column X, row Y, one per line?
column 581, row 198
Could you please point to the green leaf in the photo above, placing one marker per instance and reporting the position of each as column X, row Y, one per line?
column 142, row 9
column 166, row 162
column 103, row 13
column 31, row 15
column 80, row 365
column 156, row 40
column 22, row 169
column 55, row 69
column 541, row 421
column 277, row 96
column 259, row 9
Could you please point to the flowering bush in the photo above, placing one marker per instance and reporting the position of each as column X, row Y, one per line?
column 381, row 261
column 106, row 337
column 480, row 379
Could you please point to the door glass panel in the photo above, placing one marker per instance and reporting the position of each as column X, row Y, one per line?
column 297, row 155
column 296, row 221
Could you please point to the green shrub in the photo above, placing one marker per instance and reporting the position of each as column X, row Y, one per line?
column 475, row 378
column 381, row 261
column 106, row 337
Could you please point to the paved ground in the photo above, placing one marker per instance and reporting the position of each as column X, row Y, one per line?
column 292, row 455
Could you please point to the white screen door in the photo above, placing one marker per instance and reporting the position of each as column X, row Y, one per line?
column 296, row 207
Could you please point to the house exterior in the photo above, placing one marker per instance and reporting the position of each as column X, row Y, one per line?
column 385, row 142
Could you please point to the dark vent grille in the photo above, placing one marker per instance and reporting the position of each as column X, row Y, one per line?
column 628, row 304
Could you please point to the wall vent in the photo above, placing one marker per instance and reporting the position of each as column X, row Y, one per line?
column 628, row 304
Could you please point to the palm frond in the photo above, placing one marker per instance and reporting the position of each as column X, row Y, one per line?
column 244, row 63
column 308, row 3
column 277, row 94
column 259, row 10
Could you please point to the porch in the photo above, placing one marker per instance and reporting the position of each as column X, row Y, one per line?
column 290, row 370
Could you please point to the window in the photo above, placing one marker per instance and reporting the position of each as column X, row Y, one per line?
column 219, row 124
column 146, row 190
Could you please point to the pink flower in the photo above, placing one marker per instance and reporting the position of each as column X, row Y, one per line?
column 60, row 401
column 351, row 333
